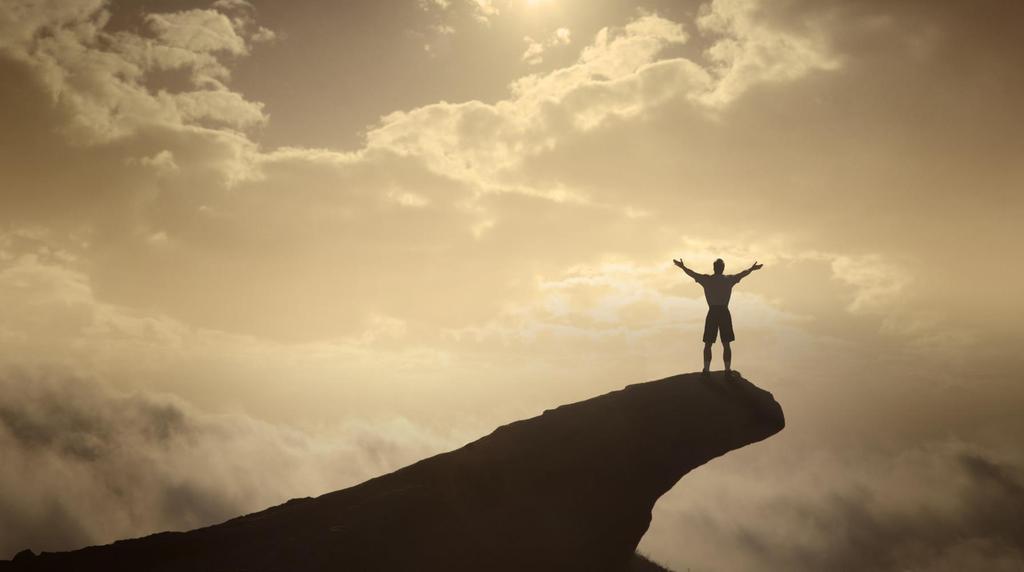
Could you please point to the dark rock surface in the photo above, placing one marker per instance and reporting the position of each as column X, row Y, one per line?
column 571, row 489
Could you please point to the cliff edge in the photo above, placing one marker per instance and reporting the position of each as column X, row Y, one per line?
column 571, row 489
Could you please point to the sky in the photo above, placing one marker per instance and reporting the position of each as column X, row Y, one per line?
column 254, row 250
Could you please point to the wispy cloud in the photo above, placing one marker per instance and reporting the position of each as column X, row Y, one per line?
column 534, row 53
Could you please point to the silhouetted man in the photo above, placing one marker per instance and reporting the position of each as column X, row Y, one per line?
column 717, row 291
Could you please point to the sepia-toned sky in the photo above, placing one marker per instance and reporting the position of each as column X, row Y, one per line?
column 256, row 250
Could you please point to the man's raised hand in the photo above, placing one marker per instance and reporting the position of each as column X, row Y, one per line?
column 679, row 263
column 757, row 266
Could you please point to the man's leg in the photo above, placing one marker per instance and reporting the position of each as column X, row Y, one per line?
column 725, row 325
column 710, row 335
column 726, row 355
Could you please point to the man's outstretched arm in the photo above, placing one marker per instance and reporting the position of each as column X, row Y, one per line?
column 688, row 272
column 752, row 268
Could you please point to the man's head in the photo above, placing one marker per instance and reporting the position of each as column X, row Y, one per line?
column 719, row 266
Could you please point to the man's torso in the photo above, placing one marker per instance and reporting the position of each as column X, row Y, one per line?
column 717, row 288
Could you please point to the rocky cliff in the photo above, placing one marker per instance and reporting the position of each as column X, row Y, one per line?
column 571, row 489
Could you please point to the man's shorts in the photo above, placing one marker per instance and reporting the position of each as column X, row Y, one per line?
column 719, row 319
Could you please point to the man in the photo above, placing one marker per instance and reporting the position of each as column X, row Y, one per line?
column 717, row 291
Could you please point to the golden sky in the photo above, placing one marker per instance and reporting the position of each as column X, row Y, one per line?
column 254, row 250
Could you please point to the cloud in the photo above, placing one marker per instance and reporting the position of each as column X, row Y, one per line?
column 197, row 31
column 100, row 77
column 748, row 51
column 615, row 76
column 162, row 162
column 19, row 24
column 480, row 11
column 877, row 284
column 613, row 303
column 206, row 226
column 429, row 4
column 55, row 319
column 108, row 464
column 939, row 505
column 534, row 53
column 485, row 10
column 219, row 106
column 620, row 76
column 428, row 178
column 420, row 185
column 232, row 5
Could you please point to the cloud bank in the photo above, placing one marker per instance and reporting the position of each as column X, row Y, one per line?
column 106, row 465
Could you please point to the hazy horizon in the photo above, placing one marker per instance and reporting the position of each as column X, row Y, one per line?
column 252, row 251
